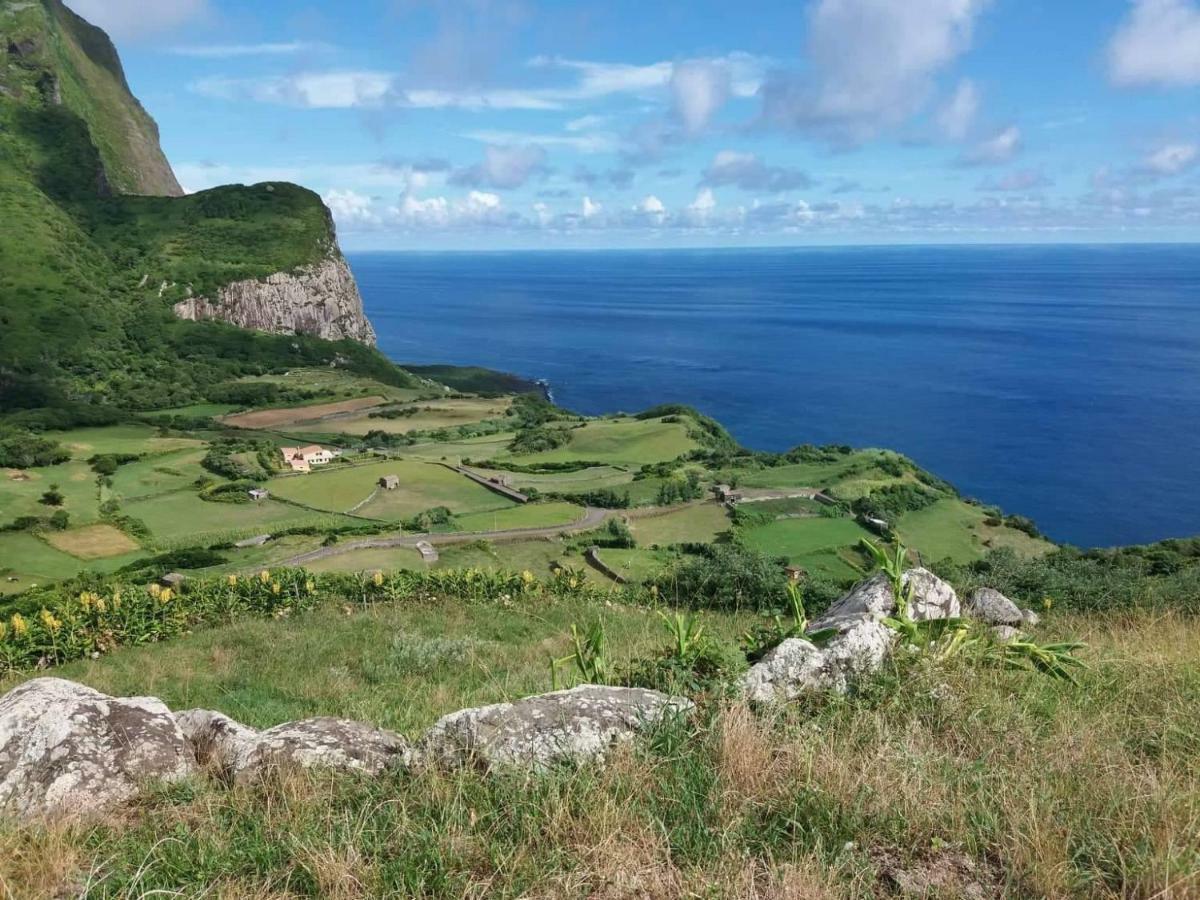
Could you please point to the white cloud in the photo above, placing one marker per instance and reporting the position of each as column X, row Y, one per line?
column 351, row 208
column 1157, row 44
column 405, row 176
column 958, row 113
column 316, row 90
column 477, row 208
column 504, row 166
column 699, row 88
column 1171, row 159
column 136, row 19
column 582, row 143
column 586, row 123
column 229, row 51
column 702, row 209
column 873, row 64
column 651, row 209
column 995, row 150
column 748, row 172
column 590, row 208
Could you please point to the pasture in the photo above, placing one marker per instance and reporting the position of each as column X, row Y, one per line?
column 697, row 523
column 428, row 415
column 183, row 517
column 92, row 542
column 529, row 515
column 630, row 442
column 311, row 415
column 423, row 486
column 817, row 544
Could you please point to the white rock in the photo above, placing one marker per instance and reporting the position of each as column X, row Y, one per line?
column 66, row 749
column 992, row 607
column 244, row 754
column 1004, row 633
column 1029, row 618
column 797, row 666
column 873, row 599
column 576, row 725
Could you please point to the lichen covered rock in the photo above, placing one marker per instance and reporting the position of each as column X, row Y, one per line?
column 66, row 749
column 990, row 606
column 798, row 666
column 576, row 725
column 242, row 754
column 872, row 599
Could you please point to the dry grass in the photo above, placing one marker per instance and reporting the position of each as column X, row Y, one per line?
column 293, row 415
column 92, row 542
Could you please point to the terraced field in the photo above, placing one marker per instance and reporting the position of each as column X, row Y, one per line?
column 630, row 442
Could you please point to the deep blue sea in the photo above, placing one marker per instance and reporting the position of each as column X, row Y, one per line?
column 1059, row 382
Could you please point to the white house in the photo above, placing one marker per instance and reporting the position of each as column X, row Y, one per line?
column 302, row 459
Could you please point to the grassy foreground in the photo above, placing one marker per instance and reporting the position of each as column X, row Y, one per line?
column 944, row 781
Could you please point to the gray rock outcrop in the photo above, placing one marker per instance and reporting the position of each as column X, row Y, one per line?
column 872, row 599
column 321, row 300
column 243, row 754
column 66, row 749
column 860, row 646
column 990, row 606
column 576, row 725
column 797, row 666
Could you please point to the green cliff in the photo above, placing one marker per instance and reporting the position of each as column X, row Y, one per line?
column 100, row 257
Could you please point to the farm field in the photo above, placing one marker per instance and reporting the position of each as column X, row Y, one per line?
column 699, row 523
column 485, row 447
column 810, row 543
column 536, row 556
column 184, row 517
column 529, row 515
column 636, row 564
column 423, row 486
column 310, row 415
column 21, row 491
column 194, row 410
column 953, row 529
column 92, row 542
column 632, row 442
column 158, row 474
column 589, row 479
column 86, row 442
column 340, row 384
column 803, row 474
column 430, row 415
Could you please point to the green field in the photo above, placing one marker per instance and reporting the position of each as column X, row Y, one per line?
column 813, row 544
column 636, row 565
column 76, row 482
column 453, row 451
column 184, row 517
column 630, row 442
column 699, row 523
column 430, row 416
column 590, row 479
column 32, row 561
column 422, row 486
column 158, row 474
column 85, row 442
column 536, row 556
column 953, row 529
column 530, row 515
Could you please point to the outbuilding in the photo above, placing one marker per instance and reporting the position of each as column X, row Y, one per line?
column 259, row 493
column 389, row 482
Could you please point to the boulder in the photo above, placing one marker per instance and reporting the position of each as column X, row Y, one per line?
column 1029, row 618
column 244, row 754
column 991, row 607
column 872, row 599
column 797, row 666
column 576, row 725
column 1005, row 633
column 66, row 749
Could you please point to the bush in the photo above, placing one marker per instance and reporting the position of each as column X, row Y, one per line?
column 540, row 439
column 60, row 520
column 726, row 576
column 26, row 451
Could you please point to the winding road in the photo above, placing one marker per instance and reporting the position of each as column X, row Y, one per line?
column 590, row 519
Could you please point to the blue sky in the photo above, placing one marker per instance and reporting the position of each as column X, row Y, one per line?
column 532, row 123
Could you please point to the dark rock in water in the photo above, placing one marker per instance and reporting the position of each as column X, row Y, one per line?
column 66, row 749
column 577, row 725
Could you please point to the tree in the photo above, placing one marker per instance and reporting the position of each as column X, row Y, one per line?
column 60, row 520
column 52, row 497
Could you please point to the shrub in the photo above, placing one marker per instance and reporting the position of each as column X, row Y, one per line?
column 26, row 451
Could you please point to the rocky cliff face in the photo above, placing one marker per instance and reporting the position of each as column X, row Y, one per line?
column 320, row 300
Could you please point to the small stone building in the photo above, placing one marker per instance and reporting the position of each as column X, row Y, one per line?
column 259, row 493
column 389, row 482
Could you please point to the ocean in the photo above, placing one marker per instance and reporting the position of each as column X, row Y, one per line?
column 1060, row 382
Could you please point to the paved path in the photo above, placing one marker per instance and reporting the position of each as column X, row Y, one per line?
column 591, row 518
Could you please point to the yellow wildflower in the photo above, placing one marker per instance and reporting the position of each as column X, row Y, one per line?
column 165, row 595
column 3, row 630
column 101, row 605
column 378, row 579
column 264, row 576
column 85, row 600
column 20, row 627
column 574, row 582
column 654, row 590
column 116, row 600
column 48, row 621
column 232, row 580
column 310, row 585
column 1047, row 602
column 527, row 577
column 276, row 587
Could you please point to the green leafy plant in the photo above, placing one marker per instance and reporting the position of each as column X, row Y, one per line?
column 758, row 642
column 589, row 655
column 1056, row 660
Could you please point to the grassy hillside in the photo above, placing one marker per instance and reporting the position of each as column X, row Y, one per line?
column 93, row 254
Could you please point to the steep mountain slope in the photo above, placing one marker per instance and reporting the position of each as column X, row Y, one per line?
column 96, row 251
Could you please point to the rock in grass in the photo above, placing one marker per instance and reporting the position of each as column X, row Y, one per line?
column 1029, row 618
column 797, row 666
column 990, row 606
column 66, row 749
column 243, row 754
column 872, row 599
column 574, row 726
